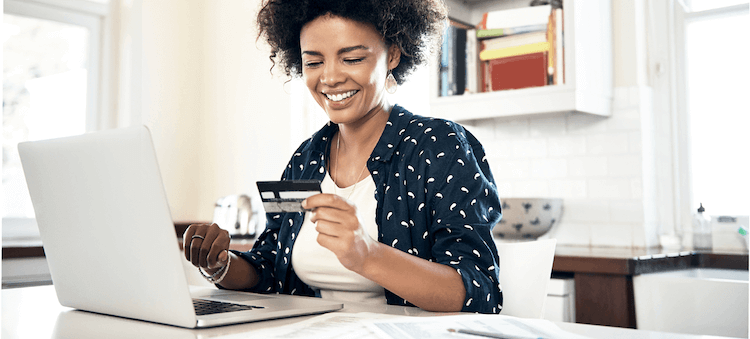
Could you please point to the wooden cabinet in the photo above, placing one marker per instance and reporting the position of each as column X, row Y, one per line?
column 588, row 87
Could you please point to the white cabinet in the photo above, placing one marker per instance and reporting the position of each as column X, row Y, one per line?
column 560, row 304
column 21, row 272
column 588, row 87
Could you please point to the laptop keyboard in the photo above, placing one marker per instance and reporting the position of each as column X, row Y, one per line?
column 204, row 307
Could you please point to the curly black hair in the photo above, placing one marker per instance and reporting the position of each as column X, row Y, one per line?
column 415, row 26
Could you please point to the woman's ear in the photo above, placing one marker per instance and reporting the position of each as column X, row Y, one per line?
column 394, row 56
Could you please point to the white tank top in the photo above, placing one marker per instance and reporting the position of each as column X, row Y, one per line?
column 319, row 268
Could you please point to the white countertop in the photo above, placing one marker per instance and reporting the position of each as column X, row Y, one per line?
column 34, row 312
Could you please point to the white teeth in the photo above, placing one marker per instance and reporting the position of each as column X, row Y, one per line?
column 339, row 97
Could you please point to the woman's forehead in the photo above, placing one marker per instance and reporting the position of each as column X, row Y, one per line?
column 330, row 31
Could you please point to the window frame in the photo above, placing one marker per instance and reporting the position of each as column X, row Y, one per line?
column 668, row 76
column 99, row 94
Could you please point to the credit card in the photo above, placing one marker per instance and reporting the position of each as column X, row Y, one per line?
column 287, row 195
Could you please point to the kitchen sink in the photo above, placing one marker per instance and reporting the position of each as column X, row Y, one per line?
column 705, row 301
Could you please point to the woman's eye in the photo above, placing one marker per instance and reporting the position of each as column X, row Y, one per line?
column 353, row 61
column 312, row 64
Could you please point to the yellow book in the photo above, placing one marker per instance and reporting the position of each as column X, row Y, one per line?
column 513, row 51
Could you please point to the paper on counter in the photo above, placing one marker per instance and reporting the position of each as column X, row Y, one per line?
column 335, row 325
column 437, row 327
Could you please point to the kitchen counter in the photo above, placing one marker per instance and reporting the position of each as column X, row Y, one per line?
column 603, row 276
column 34, row 312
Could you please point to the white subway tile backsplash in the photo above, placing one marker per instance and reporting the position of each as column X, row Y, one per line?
column 586, row 210
column 639, row 236
column 549, row 168
column 571, row 233
column 531, row 188
column 506, row 128
column 635, row 142
column 609, row 188
column 621, row 98
column 550, row 125
column 596, row 164
column 612, row 234
column 529, row 148
column 626, row 211
column 483, row 130
column 566, row 146
column 504, row 188
column 513, row 169
column 497, row 149
column 568, row 189
column 624, row 120
column 609, row 143
column 587, row 167
column 636, row 188
column 624, row 166
column 635, row 96
column 581, row 123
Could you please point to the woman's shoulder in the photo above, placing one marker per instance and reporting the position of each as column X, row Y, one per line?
column 431, row 129
column 318, row 142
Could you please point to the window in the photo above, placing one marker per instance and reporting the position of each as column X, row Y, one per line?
column 51, row 77
column 717, row 107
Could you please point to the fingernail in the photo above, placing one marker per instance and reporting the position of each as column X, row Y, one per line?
column 304, row 203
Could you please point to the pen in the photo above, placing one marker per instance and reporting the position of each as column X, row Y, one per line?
column 486, row 334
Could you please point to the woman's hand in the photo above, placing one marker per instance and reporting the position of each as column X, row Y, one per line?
column 340, row 229
column 206, row 246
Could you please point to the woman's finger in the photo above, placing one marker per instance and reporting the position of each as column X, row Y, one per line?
column 195, row 244
column 186, row 239
column 326, row 200
column 219, row 246
column 212, row 233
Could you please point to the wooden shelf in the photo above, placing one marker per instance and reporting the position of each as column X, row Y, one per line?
column 588, row 86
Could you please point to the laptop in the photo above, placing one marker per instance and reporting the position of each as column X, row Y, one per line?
column 110, row 241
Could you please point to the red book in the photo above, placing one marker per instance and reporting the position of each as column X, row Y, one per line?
column 521, row 71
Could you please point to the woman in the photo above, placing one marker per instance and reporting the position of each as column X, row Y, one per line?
column 408, row 202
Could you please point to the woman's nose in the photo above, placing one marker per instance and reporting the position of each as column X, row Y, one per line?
column 332, row 75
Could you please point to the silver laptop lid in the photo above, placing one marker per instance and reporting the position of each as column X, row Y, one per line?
column 105, row 224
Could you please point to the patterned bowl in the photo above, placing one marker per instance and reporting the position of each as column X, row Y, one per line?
column 527, row 218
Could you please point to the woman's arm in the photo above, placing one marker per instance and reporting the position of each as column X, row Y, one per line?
column 430, row 286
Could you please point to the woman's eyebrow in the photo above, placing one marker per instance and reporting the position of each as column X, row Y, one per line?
column 341, row 51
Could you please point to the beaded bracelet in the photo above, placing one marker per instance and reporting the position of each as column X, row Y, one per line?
column 221, row 272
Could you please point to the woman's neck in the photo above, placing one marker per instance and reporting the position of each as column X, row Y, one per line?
column 354, row 144
column 361, row 137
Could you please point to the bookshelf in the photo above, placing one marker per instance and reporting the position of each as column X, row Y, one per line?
column 588, row 87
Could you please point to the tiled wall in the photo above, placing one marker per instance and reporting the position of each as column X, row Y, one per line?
column 594, row 163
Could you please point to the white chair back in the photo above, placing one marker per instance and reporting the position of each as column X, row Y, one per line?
column 525, row 269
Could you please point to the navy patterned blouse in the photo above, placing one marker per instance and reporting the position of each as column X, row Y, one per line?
column 436, row 199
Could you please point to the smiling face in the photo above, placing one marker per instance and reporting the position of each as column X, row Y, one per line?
column 345, row 64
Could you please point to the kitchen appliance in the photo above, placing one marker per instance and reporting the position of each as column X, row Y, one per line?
column 238, row 215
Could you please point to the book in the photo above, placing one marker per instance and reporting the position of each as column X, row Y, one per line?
column 518, row 17
column 559, row 48
column 515, row 72
column 472, row 62
column 445, row 62
column 514, row 51
column 498, row 32
column 514, row 40
column 552, row 54
column 453, row 60
column 459, row 61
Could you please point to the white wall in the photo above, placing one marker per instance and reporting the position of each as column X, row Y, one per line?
column 221, row 122
column 604, row 167
column 171, row 101
column 218, row 117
